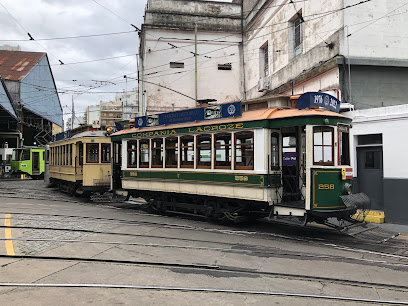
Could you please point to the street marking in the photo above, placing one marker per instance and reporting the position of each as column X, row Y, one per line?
column 402, row 236
column 9, row 243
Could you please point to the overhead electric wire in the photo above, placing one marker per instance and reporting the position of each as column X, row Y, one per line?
column 69, row 37
column 132, row 25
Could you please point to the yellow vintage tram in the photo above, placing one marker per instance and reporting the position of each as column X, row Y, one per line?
column 79, row 161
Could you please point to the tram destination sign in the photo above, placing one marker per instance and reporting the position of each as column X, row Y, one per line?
column 61, row 136
column 190, row 115
column 318, row 99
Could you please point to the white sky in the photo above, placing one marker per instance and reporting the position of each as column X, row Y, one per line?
column 64, row 18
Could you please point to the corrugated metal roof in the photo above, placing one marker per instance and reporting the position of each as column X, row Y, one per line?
column 15, row 65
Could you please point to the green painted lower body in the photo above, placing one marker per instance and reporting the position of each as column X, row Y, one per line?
column 326, row 188
column 260, row 180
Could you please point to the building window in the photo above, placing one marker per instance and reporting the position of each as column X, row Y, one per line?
column 144, row 153
column 223, row 156
column 92, row 153
column 344, row 145
column 204, row 151
column 157, row 153
column 176, row 65
column 244, row 151
column 171, row 152
column 264, row 60
column 224, row 66
column 275, row 151
column 105, row 152
column 132, row 153
column 297, row 33
column 323, row 146
column 187, row 151
column 370, row 139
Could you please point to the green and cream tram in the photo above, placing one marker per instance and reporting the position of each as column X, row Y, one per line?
column 277, row 162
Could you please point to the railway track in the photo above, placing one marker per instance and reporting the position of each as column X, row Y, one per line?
column 207, row 290
column 221, row 270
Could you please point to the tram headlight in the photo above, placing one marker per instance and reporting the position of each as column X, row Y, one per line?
column 347, row 188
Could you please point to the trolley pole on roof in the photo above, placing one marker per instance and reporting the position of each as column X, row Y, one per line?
column 195, row 56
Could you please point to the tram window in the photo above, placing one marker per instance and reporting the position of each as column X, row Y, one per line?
column 157, row 153
column 344, row 148
column 92, row 152
column 204, row 151
column 81, row 153
column 244, row 151
column 70, row 154
column 323, row 146
column 223, row 152
column 275, row 151
column 144, row 153
column 171, row 152
column 187, row 151
column 26, row 155
column 105, row 152
column 132, row 153
column 64, row 155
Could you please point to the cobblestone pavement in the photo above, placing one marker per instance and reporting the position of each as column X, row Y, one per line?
column 37, row 247
column 33, row 189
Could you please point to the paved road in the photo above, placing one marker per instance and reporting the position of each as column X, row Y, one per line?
column 53, row 249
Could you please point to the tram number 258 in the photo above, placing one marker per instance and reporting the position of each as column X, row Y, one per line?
column 326, row 186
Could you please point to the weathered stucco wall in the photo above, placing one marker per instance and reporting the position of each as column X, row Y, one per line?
column 168, row 37
column 182, row 14
column 373, row 36
column 272, row 25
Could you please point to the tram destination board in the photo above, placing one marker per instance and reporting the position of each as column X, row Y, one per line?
column 190, row 115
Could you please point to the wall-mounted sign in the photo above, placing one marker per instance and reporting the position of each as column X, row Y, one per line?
column 318, row 99
column 190, row 115
column 61, row 136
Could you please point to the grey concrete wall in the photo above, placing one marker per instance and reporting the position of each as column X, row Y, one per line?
column 376, row 86
column 182, row 14
column 396, row 200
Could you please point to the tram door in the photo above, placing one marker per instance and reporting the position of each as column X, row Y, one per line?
column 36, row 162
column 290, row 167
column 116, row 164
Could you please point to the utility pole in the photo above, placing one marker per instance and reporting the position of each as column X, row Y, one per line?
column 73, row 113
column 195, row 55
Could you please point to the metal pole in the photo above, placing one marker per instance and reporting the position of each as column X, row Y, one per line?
column 195, row 55
column 349, row 69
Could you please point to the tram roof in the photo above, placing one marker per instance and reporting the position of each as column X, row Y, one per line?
column 84, row 134
column 253, row 115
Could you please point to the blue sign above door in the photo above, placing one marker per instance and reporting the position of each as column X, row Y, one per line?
column 190, row 115
column 318, row 99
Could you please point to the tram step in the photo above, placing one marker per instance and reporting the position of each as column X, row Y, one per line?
column 101, row 198
column 370, row 232
column 293, row 204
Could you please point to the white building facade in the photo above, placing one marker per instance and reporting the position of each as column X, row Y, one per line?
column 167, row 70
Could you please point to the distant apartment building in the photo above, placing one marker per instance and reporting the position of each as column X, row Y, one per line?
column 77, row 122
column 128, row 100
column 110, row 112
column 92, row 115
